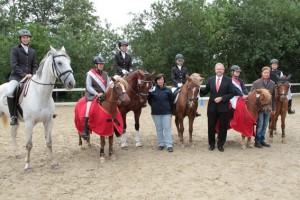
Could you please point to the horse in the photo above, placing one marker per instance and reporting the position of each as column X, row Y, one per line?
column 281, row 99
column 36, row 100
column 139, row 84
column 187, row 104
column 257, row 100
column 104, row 117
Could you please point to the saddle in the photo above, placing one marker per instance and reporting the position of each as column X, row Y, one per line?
column 175, row 95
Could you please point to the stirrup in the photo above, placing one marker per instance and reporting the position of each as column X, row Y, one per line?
column 290, row 111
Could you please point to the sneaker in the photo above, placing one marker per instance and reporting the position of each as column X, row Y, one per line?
column 170, row 149
column 258, row 145
column 263, row 143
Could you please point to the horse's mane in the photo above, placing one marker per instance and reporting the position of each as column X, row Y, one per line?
column 138, row 69
column 41, row 66
column 197, row 79
column 122, row 80
column 266, row 93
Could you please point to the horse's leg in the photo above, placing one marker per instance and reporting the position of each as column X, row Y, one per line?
column 102, row 144
column 249, row 144
column 177, row 125
column 137, row 114
column 28, row 134
column 271, row 127
column 243, row 143
column 48, row 127
column 181, row 130
column 123, row 136
column 111, row 152
column 191, row 122
column 283, row 115
column 13, row 134
column 80, row 140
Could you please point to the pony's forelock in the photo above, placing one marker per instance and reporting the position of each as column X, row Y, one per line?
column 197, row 79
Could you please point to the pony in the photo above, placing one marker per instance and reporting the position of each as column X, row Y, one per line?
column 187, row 104
column 257, row 100
column 104, row 117
column 281, row 99
column 36, row 100
column 139, row 84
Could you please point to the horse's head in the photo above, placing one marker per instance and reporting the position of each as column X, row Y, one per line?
column 61, row 67
column 282, row 88
column 119, row 86
column 262, row 99
column 140, row 82
column 192, row 87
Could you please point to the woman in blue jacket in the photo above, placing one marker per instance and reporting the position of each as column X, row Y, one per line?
column 160, row 100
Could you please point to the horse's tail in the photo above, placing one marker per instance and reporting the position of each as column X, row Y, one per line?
column 4, row 121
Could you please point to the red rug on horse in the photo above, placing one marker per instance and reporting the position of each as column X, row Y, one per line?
column 100, row 122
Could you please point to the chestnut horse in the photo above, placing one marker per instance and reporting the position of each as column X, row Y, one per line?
column 139, row 84
column 104, row 122
column 187, row 104
column 257, row 100
column 281, row 99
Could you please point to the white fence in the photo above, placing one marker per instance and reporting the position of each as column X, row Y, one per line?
column 57, row 90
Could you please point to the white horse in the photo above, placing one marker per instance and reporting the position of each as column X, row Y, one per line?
column 37, row 102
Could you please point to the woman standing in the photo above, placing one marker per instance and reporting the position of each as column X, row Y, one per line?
column 160, row 100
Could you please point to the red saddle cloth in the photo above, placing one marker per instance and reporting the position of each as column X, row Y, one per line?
column 100, row 121
column 243, row 121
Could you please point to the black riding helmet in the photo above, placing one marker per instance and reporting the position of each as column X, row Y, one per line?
column 123, row 42
column 179, row 57
column 274, row 61
column 98, row 60
column 235, row 68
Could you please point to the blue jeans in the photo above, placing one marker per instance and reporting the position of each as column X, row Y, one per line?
column 262, row 125
column 163, row 129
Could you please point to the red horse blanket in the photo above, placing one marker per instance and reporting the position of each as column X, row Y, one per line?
column 243, row 121
column 100, row 121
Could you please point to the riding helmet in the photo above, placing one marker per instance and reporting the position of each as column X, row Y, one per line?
column 179, row 57
column 235, row 68
column 274, row 61
column 98, row 60
column 24, row 32
column 123, row 42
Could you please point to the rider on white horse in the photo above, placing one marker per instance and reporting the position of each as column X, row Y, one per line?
column 97, row 82
column 24, row 65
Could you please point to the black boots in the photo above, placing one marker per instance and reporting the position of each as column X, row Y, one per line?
column 197, row 114
column 290, row 111
column 11, row 102
column 86, row 132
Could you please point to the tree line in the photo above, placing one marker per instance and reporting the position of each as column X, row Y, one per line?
column 245, row 33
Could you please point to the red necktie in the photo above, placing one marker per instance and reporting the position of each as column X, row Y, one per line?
column 218, row 84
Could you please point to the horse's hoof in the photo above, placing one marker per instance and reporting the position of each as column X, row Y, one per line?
column 112, row 157
column 270, row 139
column 243, row 147
column 283, row 141
column 27, row 170
column 102, row 160
column 138, row 144
column 54, row 166
column 250, row 146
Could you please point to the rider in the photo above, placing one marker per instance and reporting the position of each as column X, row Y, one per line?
column 275, row 75
column 122, row 60
column 97, row 82
column 24, row 65
column 239, row 87
column 178, row 74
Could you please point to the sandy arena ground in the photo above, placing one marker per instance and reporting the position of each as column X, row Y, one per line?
column 190, row 172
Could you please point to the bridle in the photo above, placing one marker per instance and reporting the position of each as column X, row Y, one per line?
column 259, row 106
column 139, row 93
column 116, row 93
column 282, row 94
column 188, row 99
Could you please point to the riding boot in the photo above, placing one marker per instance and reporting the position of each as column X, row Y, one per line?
column 11, row 102
column 197, row 114
column 290, row 111
column 86, row 132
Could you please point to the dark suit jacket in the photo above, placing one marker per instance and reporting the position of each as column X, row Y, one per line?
column 22, row 63
column 120, row 63
column 225, row 91
column 178, row 76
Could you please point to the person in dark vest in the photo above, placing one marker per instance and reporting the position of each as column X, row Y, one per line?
column 178, row 73
column 122, row 61
column 275, row 76
column 97, row 82
column 24, row 65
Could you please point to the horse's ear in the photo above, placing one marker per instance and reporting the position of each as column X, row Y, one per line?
column 113, row 79
column 52, row 49
column 63, row 49
column 289, row 77
column 187, row 77
column 153, row 74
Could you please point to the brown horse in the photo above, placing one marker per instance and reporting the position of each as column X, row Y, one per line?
column 139, row 84
column 281, row 99
column 257, row 100
column 187, row 104
column 106, row 119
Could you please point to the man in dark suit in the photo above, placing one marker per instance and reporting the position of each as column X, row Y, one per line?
column 24, row 65
column 221, row 91
column 122, row 61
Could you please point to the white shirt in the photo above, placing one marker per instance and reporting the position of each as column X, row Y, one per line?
column 25, row 48
column 179, row 67
column 123, row 54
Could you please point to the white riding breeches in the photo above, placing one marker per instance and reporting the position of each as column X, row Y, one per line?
column 12, row 85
